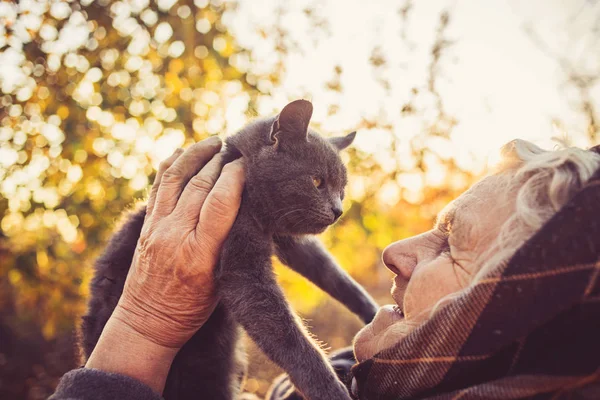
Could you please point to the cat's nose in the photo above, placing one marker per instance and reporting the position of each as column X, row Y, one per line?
column 336, row 208
column 337, row 212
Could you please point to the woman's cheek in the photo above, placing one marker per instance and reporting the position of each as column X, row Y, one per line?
column 428, row 285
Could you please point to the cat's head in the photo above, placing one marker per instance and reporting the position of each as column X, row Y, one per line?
column 297, row 179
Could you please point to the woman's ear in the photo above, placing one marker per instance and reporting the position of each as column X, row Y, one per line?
column 341, row 142
column 292, row 122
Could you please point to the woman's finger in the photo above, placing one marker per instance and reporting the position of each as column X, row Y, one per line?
column 162, row 167
column 197, row 189
column 176, row 176
column 221, row 207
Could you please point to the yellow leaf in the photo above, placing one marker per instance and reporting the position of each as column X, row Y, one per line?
column 42, row 261
column 63, row 112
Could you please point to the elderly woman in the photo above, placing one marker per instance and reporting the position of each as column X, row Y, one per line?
column 501, row 299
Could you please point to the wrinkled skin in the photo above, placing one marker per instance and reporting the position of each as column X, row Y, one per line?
column 437, row 263
column 146, row 302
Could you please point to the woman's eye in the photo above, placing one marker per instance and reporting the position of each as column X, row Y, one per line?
column 318, row 182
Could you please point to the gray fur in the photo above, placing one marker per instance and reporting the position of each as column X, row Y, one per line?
column 280, row 206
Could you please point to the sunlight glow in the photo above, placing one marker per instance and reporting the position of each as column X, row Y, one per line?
column 499, row 86
column 94, row 94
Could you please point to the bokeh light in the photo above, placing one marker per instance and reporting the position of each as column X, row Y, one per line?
column 95, row 93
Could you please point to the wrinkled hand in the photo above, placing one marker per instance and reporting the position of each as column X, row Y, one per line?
column 169, row 292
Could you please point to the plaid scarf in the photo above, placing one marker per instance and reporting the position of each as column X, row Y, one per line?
column 531, row 329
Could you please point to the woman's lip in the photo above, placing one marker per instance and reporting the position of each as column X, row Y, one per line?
column 398, row 310
column 369, row 339
column 394, row 310
column 386, row 316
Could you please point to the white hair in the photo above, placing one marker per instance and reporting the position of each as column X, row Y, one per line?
column 541, row 182
column 537, row 184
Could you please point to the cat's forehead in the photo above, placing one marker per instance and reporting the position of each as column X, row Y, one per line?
column 324, row 156
column 319, row 144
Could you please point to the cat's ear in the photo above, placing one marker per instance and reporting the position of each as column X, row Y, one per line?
column 341, row 142
column 292, row 121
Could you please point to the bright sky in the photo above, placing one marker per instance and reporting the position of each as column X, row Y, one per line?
column 496, row 81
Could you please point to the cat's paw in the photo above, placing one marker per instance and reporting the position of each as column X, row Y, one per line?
column 341, row 360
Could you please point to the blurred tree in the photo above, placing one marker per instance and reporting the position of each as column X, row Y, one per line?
column 94, row 95
column 581, row 75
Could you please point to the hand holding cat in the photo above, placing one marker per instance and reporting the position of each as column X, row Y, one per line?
column 169, row 292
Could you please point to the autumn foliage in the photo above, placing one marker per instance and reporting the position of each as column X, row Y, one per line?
column 94, row 94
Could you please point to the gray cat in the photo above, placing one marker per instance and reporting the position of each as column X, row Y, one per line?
column 294, row 187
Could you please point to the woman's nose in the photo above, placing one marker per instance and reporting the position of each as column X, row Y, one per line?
column 398, row 259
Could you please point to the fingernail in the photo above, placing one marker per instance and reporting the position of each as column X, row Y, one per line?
column 177, row 152
column 213, row 140
column 239, row 161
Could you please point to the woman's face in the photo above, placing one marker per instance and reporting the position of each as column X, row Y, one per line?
column 436, row 263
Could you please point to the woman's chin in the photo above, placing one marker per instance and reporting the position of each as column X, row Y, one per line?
column 384, row 331
column 364, row 344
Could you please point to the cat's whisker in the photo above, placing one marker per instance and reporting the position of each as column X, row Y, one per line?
column 319, row 214
column 284, row 209
column 278, row 219
column 301, row 221
column 285, row 212
column 311, row 213
column 281, row 211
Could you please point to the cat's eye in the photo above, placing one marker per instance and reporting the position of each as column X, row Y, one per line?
column 318, row 182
